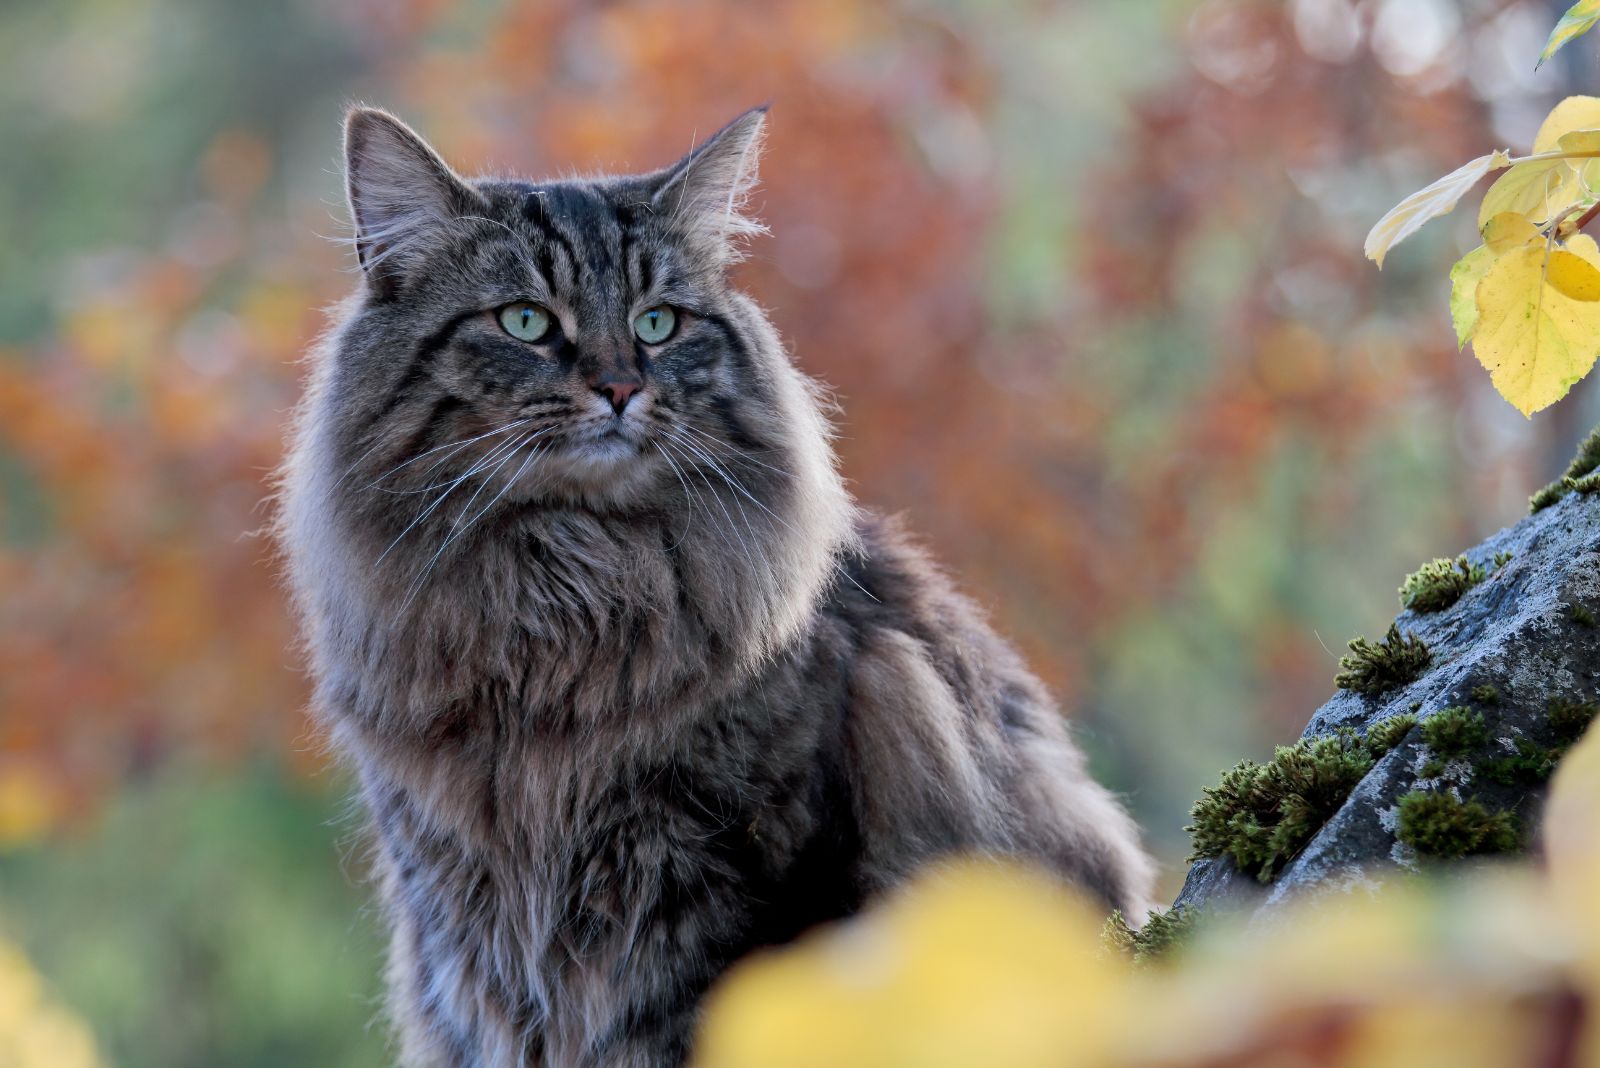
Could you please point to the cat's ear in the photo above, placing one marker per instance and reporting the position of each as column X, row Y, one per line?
column 402, row 195
column 704, row 195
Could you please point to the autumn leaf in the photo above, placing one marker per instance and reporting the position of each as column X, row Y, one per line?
column 970, row 964
column 1573, row 113
column 1464, row 278
column 1539, row 189
column 1544, row 189
column 1532, row 335
column 1407, row 217
column 1572, row 843
column 1575, row 270
column 1509, row 230
column 1579, row 20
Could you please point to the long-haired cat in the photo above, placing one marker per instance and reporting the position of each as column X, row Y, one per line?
column 631, row 686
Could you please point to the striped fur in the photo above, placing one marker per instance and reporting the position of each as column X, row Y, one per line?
column 627, row 695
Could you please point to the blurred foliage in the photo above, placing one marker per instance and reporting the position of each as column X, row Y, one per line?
column 1085, row 276
column 982, row 965
column 205, row 920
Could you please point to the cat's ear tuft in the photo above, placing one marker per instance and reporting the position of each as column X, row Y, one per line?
column 402, row 194
column 705, row 194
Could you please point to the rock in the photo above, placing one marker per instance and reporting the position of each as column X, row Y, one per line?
column 1521, row 639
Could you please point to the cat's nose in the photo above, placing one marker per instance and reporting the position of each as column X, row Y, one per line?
column 617, row 390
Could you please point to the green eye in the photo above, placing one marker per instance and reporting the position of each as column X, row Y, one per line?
column 525, row 322
column 655, row 325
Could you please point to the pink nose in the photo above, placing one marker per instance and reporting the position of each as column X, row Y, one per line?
column 617, row 391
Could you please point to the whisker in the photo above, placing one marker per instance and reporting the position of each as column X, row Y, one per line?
column 733, row 483
column 403, row 493
column 838, row 567
column 509, row 455
column 455, row 533
column 732, row 526
column 479, row 466
column 679, row 476
column 730, row 453
column 452, row 445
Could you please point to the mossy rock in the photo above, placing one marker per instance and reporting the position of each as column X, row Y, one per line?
column 1511, row 678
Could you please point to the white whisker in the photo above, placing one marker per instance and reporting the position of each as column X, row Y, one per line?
column 479, row 466
column 457, row 531
column 728, row 452
column 679, row 476
column 732, row 526
column 452, row 445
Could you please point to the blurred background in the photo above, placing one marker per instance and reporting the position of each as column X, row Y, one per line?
column 1086, row 277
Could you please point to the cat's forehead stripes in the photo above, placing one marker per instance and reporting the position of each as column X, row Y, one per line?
column 581, row 222
column 593, row 236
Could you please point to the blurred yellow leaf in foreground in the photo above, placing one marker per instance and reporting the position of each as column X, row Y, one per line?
column 992, row 966
column 34, row 1031
column 972, row 965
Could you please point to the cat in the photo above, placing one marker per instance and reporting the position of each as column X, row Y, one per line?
column 629, row 684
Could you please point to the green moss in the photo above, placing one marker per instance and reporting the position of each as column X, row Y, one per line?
column 1585, row 484
column 1162, row 933
column 1530, row 765
column 1570, row 719
column 1486, row 695
column 1581, row 475
column 1375, row 668
column 1385, row 734
column 1440, row 825
column 1261, row 815
column 1533, row 764
column 1547, row 496
column 1439, row 583
column 1117, row 936
column 1581, row 615
column 1456, row 731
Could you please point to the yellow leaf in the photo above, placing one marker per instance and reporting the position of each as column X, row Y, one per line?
column 974, row 964
column 1540, row 189
column 1579, row 141
column 1573, row 276
column 1572, row 856
column 1584, row 245
column 1586, row 172
column 1573, row 113
column 1571, row 832
column 1535, row 340
column 1579, row 19
column 1407, row 217
column 35, row 1030
column 1509, row 230
column 1464, row 278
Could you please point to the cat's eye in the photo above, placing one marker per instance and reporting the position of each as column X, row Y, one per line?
column 525, row 321
column 655, row 325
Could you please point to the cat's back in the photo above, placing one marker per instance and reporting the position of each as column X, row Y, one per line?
column 955, row 745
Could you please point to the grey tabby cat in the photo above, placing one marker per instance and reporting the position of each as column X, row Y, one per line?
column 630, row 684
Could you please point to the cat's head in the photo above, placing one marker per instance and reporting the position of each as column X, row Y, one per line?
column 583, row 331
column 569, row 353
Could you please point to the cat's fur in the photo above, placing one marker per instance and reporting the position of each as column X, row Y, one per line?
column 652, row 691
